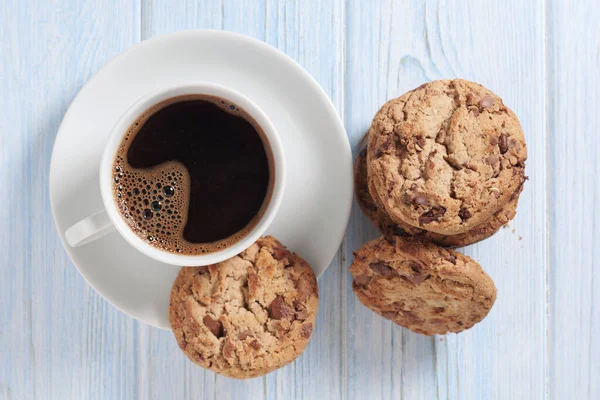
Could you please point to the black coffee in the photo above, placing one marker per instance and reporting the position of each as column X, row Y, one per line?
column 193, row 174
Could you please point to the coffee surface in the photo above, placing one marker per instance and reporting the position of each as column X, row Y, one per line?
column 192, row 175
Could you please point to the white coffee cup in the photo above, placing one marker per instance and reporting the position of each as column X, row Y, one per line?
column 108, row 220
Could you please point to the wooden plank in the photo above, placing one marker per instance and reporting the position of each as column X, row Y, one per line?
column 311, row 32
column 500, row 46
column 574, row 197
column 383, row 361
column 58, row 338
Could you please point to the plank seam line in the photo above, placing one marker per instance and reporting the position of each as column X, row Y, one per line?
column 344, row 261
column 548, row 123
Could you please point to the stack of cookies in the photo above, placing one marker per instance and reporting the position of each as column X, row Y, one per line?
column 441, row 166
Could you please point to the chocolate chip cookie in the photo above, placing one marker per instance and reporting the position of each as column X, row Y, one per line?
column 389, row 228
column 246, row 316
column 421, row 286
column 445, row 156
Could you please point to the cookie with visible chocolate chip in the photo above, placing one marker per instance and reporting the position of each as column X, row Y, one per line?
column 390, row 228
column 445, row 156
column 248, row 315
column 421, row 286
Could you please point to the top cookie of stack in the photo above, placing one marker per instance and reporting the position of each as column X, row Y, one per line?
column 445, row 157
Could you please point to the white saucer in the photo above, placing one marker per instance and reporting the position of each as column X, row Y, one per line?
column 316, row 205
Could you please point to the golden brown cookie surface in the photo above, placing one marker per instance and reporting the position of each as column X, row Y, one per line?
column 421, row 286
column 445, row 157
column 389, row 228
column 246, row 316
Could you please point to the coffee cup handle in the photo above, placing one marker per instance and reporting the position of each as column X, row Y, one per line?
column 89, row 229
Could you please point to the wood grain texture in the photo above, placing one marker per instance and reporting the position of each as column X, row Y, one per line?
column 59, row 339
column 573, row 50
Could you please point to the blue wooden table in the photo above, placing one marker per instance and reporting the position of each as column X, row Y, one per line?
column 61, row 340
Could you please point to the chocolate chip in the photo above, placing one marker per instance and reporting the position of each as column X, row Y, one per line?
column 385, row 146
column 362, row 280
column 281, row 252
column 464, row 214
column 474, row 110
column 420, row 140
column 244, row 335
column 401, row 148
column 388, row 314
column 487, row 102
column 304, row 287
column 382, row 269
column 306, row 330
column 460, row 323
column 439, row 310
column 202, row 270
column 438, row 211
column 425, row 219
column 213, row 325
column 420, row 200
column 255, row 345
column 301, row 311
column 279, row 310
column 454, row 161
column 502, row 143
column 432, row 215
column 228, row 349
column 451, row 258
column 419, row 278
column 416, row 267
column 492, row 159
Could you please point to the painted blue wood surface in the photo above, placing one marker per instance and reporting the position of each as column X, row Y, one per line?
column 59, row 339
